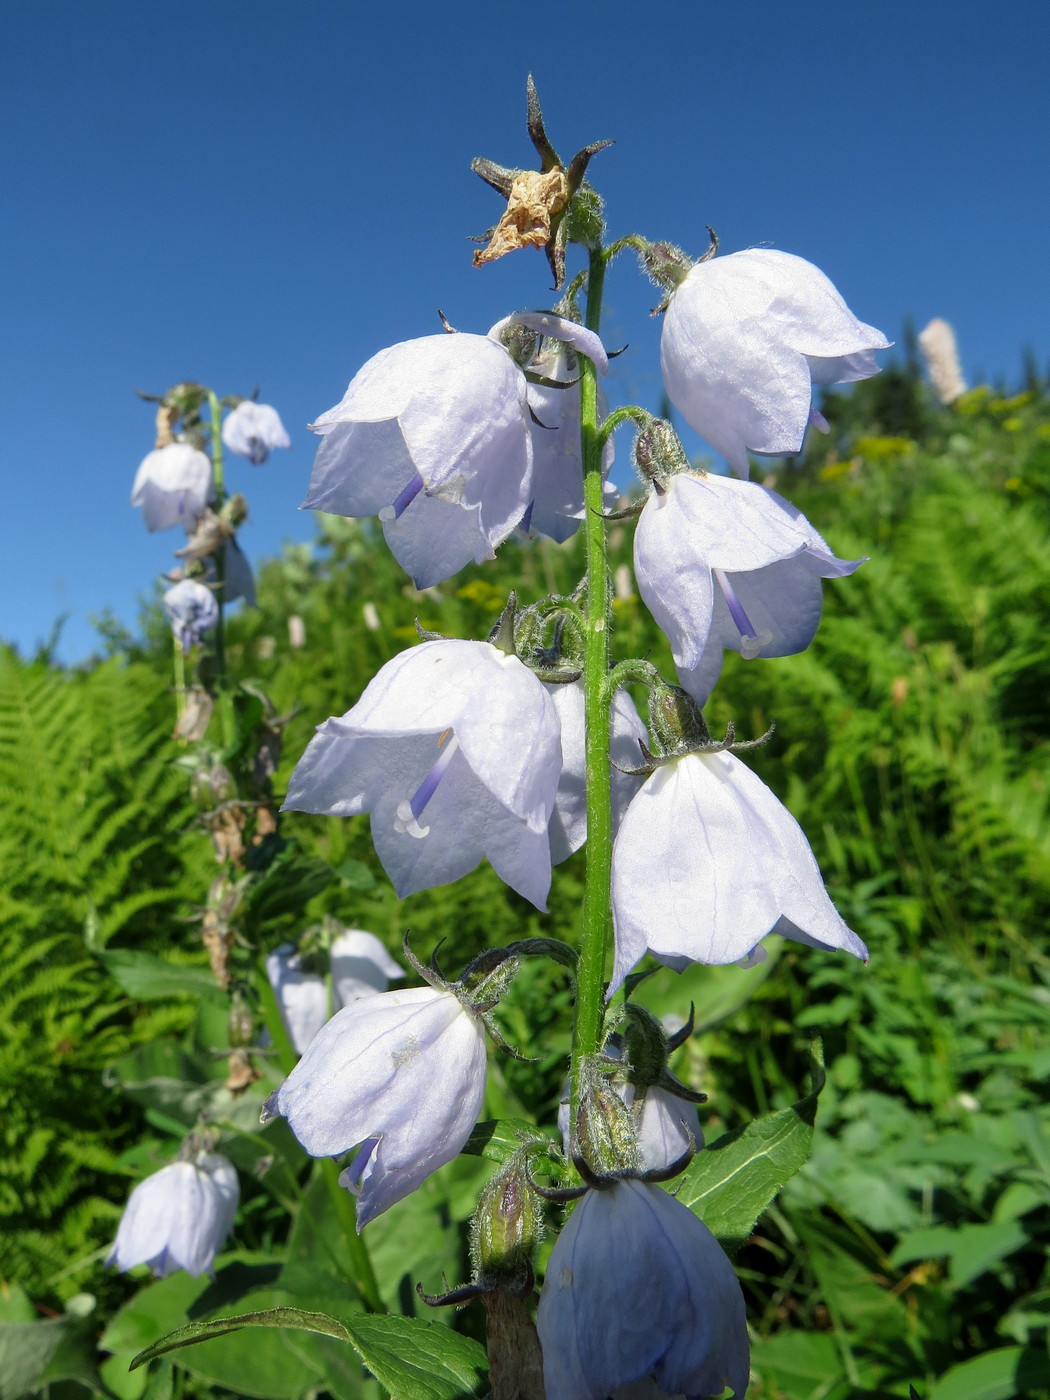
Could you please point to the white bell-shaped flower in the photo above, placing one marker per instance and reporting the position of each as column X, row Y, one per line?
column 301, row 996
column 361, row 966
column 179, row 1217
column 454, row 748
column 638, row 1290
column 173, row 485
column 253, row 430
column 400, row 1076
column 729, row 565
column 192, row 611
column 556, row 508
column 434, row 436
column 744, row 340
column 707, row 862
column 568, row 828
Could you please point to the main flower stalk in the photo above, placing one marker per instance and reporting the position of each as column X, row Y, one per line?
column 597, row 909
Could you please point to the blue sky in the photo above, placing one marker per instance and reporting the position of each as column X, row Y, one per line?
column 247, row 192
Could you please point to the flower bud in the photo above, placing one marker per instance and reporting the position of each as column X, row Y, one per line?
column 604, row 1136
column 667, row 265
column 658, row 452
column 675, row 720
column 507, row 1227
column 645, row 1047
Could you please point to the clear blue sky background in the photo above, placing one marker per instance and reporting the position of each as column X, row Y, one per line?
column 253, row 192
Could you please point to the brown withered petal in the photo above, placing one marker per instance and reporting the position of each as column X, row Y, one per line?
column 535, row 198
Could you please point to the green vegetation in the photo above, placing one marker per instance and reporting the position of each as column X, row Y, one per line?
column 912, row 743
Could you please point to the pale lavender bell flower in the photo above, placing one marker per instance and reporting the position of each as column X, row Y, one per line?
column 638, row 1292
column 744, row 340
column 729, row 565
column 253, row 430
column 178, row 1217
column 192, row 610
column 401, row 1077
column 361, row 966
column 707, row 862
column 173, row 486
column 568, row 826
column 557, row 508
column 301, row 996
column 454, row 748
column 435, row 437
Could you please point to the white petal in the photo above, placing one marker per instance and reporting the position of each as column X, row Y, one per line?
column 706, row 861
column 173, row 485
column 301, row 996
column 568, row 825
column 668, row 1127
column 433, row 539
column 675, row 1315
column 361, row 966
column 404, row 1068
column 558, row 328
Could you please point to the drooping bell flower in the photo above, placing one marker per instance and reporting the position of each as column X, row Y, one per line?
column 173, row 486
column 434, row 436
column 744, row 340
column 401, row 1077
column 361, row 966
column 568, row 826
column 178, row 1217
column 253, row 430
column 557, row 508
column 729, row 565
column 192, row 610
column 302, row 996
column 707, row 861
column 638, row 1290
column 454, row 748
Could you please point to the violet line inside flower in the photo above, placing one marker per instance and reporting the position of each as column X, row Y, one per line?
column 751, row 641
column 409, row 813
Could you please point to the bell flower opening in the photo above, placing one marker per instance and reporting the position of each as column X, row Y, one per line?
column 401, row 1077
column 707, row 862
column 454, row 748
column 178, row 1218
column 173, row 486
column 253, row 430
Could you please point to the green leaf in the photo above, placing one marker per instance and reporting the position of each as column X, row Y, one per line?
column 414, row 1360
column 34, row 1354
column 971, row 1249
column 499, row 1138
column 417, row 1360
column 997, row 1375
column 729, row 1184
column 219, row 1326
column 146, row 978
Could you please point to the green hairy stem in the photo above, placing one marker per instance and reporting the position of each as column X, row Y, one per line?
column 597, row 909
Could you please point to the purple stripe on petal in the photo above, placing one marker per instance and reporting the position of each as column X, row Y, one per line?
column 403, row 499
column 735, row 606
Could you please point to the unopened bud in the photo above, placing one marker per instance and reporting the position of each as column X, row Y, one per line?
column 658, row 452
column 235, row 511
column 645, row 1047
column 667, row 265
column 211, row 786
column 605, row 1135
column 506, row 1229
column 676, row 720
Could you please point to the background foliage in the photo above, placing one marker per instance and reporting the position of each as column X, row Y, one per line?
column 913, row 744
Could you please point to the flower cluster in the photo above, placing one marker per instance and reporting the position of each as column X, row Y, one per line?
column 510, row 749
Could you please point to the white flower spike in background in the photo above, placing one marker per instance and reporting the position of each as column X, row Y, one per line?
column 179, row 1217
column 173, row 485
column 455, row 750
column 637, row 1288
column 253, row 430
column 707, row 862
column 400, row 1076
column 727, row 564
column 745, row 338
